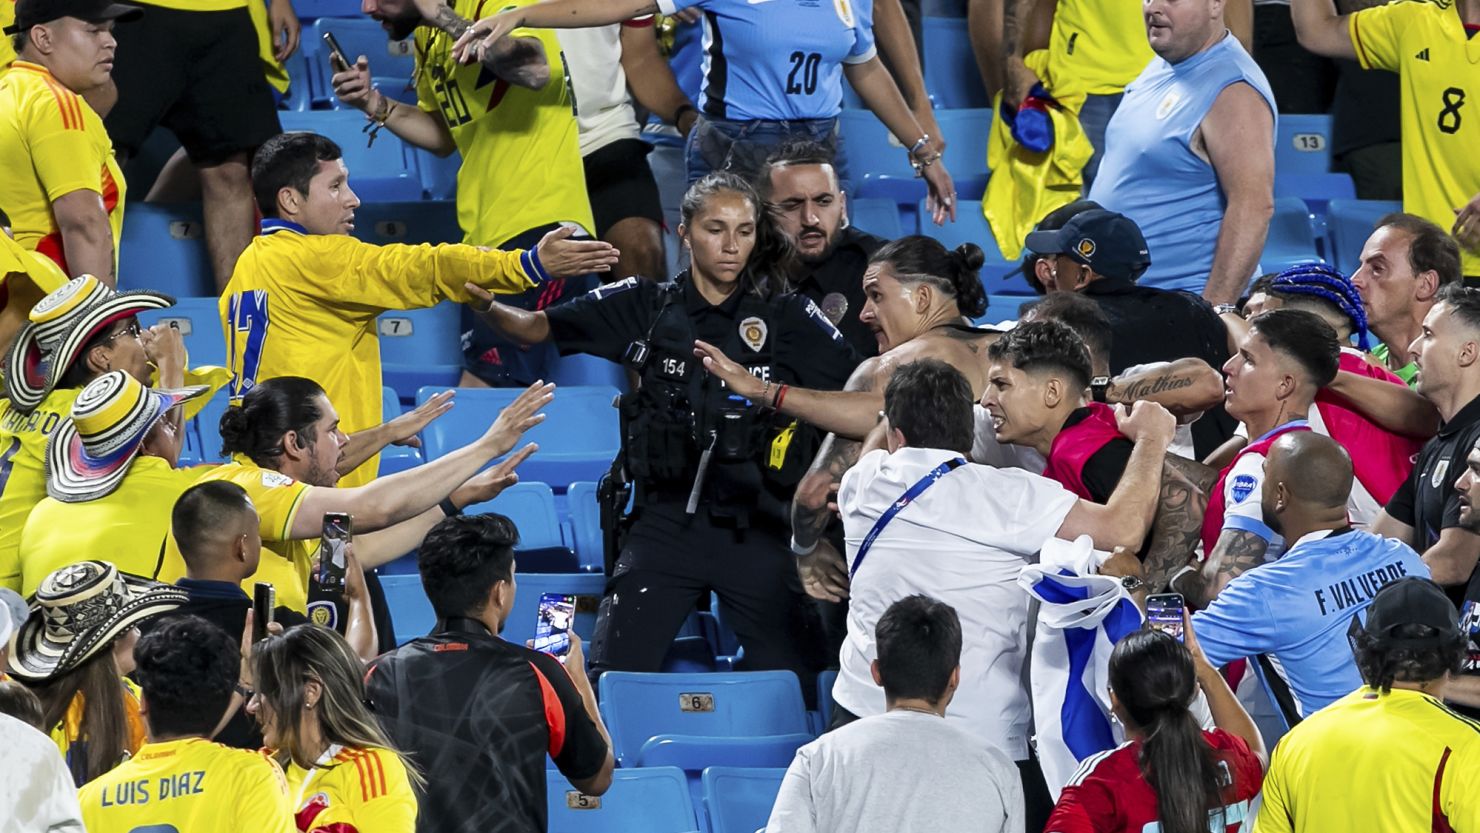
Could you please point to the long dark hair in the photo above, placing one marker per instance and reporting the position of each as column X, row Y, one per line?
column 267, row 413
column 1152, row 675
column 773, row 257
column 102, row 736
column 955, row 272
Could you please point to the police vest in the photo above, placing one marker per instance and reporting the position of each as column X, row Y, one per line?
column 679, row 410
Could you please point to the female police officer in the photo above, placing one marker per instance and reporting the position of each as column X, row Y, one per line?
column 713, row 471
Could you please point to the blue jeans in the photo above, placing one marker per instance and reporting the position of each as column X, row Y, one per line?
column 741, row 147
column 1094, row 116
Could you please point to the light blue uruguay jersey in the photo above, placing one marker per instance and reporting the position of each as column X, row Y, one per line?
column 778, row 59
column 1298, row 610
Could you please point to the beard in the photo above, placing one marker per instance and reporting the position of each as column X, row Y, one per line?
column 827, row 247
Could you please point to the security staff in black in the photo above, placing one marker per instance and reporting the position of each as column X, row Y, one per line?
column 713, row 472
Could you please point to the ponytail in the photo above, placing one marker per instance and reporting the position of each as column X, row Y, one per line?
column 1153, row 678
column 257, row 427
column 956, row 273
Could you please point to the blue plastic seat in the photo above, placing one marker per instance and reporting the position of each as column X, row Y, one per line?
column 382, row 172
column 965, row 133
column 881, row 167
column 360, row 35
column 638, row 706
column 582, row 370
column 825, row 681
column 654, row 800
column 740, row 800
column 578, row 439
column 1303, row 145
column 1349, row 223
column 421, row 347
column 1317, row 191
column 418, row 221
column 395, row 458
column 519, row 628
column 877, row 216
column 951, row 75
column 688, row 655
column 410, row 610
column 300, row 82
column 1291, row 239
column 163, row 247
column 998, row 274
column 585, row 521
column 310, row 9
column 438, row 173
column 199, row 322
column 695, row 753
column 531, row 506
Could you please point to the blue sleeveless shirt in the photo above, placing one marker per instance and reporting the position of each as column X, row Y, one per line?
column 1150, row 173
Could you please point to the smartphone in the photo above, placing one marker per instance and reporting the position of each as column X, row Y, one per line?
column 1164, row 612
column 336, row 55
column 264, row 603
column 338, row 531
column 552, row 631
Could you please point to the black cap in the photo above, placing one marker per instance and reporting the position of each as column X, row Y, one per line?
column 1411, row 601
column 30, row 13
column 1107, row 242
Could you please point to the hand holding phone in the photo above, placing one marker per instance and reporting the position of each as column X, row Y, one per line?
column 552, row 630
column 264, row 605
column 337, row 58
column 337, row 533
column 1167, row 612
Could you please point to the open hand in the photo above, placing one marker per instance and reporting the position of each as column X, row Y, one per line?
column 405, row 427
column 733, row 374
column 564, row 258
column 941, row 200
column 283, row 22
column 481, row 36
column 489, row 483
column 519, row 416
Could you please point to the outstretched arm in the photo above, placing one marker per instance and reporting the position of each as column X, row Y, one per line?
column 851, row 412
column 401, row 430
column 1185, row 386
column 1392, row 407
column 520, row 61
column 523, row 326
column 477, row 41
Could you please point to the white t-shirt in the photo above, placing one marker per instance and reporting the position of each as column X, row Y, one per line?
column 593, row 58
column 37, row 793
column 901, row 772
column 963, row 541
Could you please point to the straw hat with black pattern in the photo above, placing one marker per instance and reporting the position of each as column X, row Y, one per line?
column 61, row 325
column 78, row 611
column 89, row 453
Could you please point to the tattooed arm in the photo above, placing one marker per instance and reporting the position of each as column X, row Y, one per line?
column 1179, row 518
column 520, row 61
column 1186, row 386
column 1237, row 552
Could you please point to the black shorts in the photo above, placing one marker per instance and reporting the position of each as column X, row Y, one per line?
column 199, row 75
column 620, row 184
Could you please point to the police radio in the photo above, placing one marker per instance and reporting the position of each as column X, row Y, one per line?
column 637, row 355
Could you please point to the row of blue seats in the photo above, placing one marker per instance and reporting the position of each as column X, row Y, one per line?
column 658, row 800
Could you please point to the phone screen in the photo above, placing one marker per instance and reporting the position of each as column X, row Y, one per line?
column 552, row 631
column 264, row 605
column 1164, row 613
column 338, row 531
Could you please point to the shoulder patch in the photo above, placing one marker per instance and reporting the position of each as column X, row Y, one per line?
column 611, row 289
column 276, row 480
column 1243, row 486
column 815, row 313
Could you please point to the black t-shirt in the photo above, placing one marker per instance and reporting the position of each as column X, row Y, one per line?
column 1160, row 325
column 1427, row 500
column 478, row 715
column 225, row 605
column 836, row 286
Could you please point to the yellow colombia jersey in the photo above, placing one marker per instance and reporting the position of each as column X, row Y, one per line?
column 7, row 46
column 1097, row 46
column 353, row 791
column 189, row 786
column 51, row 144
column 127, row 527
column 69, row 730
column 305, row 305
column 195, row 5
column 1378, row 762
column 1424, row 41
column 521, row 156
column 23, row 472
column 285, row 562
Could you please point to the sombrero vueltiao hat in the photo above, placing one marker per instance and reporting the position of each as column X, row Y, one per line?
column 78, row 611
column 61, row 325
column 89, row 453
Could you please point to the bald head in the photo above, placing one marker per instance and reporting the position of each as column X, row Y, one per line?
column 1312, row 472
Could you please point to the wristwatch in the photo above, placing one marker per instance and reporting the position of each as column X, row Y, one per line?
column 1099, row 387
column 799, row 550
column 1131, row 584
column 1225, row 309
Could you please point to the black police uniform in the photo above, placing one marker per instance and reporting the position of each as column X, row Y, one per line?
column 836, row 286
column 734, row 542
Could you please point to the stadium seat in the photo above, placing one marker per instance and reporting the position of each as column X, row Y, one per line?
column 578, row 439
column 965, row 132
column 880, row 166
column 382, row 172
column 419, row 221
column 163, row 247
column 1316, row 190
column 740, row 800
column 582, row 370
column 199, row 322
column 877, row 216
column 998, row 274
column 1350, row 223
column 639, row 706
column 825, row 680
column 359, row 35
column 531, row 506
column 410, row 610
column 1303, row 145
column 688, row 655
column 1290, row 239
column 586, row 587
column 421, row 347
column 652, row 800
column 300, row 82
column 951, row 75
column 695, row 753
column 310, row 9
column 395, row 458
column 438, row 174
column 585, row 521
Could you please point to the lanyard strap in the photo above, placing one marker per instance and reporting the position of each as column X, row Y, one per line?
column 910, row 496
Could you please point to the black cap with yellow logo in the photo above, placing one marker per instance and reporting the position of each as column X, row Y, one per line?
column 1109, row 243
